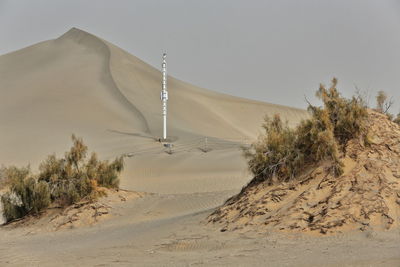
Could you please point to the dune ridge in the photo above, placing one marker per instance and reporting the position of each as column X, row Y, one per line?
column 93, row 42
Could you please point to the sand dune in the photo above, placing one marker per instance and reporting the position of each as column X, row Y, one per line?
column 79, row 83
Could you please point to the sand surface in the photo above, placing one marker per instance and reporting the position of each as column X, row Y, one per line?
column 143, row 233
column 81, row 84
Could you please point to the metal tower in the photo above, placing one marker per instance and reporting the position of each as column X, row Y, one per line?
column 164, row 94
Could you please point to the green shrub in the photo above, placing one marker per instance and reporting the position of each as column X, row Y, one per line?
column 282, row 153
column 105, row 173
column 273, row 155
column 73, row 177
column 348, row 116
column 66, row 177
column 26, row 195
column 60, row 180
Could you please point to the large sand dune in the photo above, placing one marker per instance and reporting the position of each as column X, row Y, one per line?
column 80, row 84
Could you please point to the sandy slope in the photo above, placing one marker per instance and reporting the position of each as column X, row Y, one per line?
column 365, row 197
column 81, row 84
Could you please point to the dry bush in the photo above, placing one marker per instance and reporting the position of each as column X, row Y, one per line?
column 282, row 153
column 26, row 194
column 66, row 176
column 274, row 154
column 74, row 177
column 383, row 104
column 348, row 116
column 380, row 100
column 62, row 181
column 105, row 173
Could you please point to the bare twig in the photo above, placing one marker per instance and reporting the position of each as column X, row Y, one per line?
column 387, row 105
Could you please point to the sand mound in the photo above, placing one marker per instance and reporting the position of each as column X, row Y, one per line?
column 83, row 213
column 366, row 196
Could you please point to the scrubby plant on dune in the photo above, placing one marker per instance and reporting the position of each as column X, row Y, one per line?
column 281, row 153
column 383, row 103
column 26, row 194
column 74, row 177
column 62, row 181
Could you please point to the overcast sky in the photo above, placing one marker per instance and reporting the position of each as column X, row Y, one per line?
column 274, row 51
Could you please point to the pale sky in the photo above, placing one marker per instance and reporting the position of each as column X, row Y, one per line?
column 273, row 51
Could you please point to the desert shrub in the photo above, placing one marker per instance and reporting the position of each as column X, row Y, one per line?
column 348, row 116
column 60, row 180
column 282, row 153
column 26, row 194
column 380, row 100
column 316, row 140
column 74, row 177
column 273, row 155
column 66, row 176
column 105, row 173
column 383, row 104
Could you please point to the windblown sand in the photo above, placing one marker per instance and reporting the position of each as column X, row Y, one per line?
column 81, row 84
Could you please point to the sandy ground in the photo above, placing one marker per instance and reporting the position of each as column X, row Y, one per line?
column 144, row 233
column 81, row 84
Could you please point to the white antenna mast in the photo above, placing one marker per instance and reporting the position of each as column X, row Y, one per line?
column 164, row 95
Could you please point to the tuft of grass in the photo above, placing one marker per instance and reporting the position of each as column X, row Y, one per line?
column 63, row 181
column 282, row 153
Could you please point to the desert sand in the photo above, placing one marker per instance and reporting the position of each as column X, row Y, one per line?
column 81, row 84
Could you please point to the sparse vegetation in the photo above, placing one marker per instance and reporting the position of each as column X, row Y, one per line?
column 383, row 104
column 62, row 181
column 282, row 153
column 26, row 195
